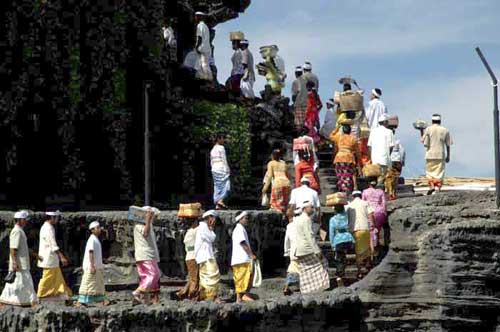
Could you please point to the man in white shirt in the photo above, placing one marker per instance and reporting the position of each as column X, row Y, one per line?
column 204, row 255
column 21, row 291
column 147, row 258
column 203, row 47
column 381, row 142
column 191, row 289
column 290, row 245
column 376, row 109
column 302, row 194
column 52, row 284
column 248, row 78
column 92, row 289
column 361, row 214
column 170, row 40
column 241, row 259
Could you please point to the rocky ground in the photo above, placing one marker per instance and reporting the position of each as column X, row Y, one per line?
column 440, row 274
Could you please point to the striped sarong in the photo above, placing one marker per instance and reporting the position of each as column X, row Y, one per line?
column 313, row 274
column 92, row 287
column 222, row 186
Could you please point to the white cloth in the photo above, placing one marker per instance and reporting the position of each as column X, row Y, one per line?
column 381, row 141
column 189, row 242
column 359, row 211
column 239, row 255
column 436, row 139
column 203, row 32
column 18, row 241
column 280, row 65
column 192, row 60
column 247, row 59
column 290, row 234
column 169, row 36
column 218, row 159
column 237, row 61
column 145, row 246
column 47, row 247
column 21, row 292
column 247, row 89
column 398, row 153
column 94, row 245
column 304, row 193
column 375, row 109
column 203, row 245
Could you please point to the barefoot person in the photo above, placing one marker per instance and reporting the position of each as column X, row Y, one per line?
column 52, row 285
column 241, row 259
column 191, row 289
column 204, row 254
column 92, row 285
column 147, row 259
column 20, row 292
column 292, row 273
column 220, row 172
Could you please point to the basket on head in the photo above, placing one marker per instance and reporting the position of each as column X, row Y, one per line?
column 336, row 199
column 371, row 170
column 190, row 210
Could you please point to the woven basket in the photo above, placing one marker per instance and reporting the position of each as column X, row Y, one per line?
column 191, row 210
column 371, row 171
column 351, row 101
column 336, row 199
column 236, row 35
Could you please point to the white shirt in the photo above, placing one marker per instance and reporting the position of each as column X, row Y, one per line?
column 375, row 109
column 189, row 241
column 47, row 247
column 304, row 193
column 239, row 255
column 169, row 36
column 398, row 153
column 203, row 32
column 94, row 245
column 381, row 141
column 290, row 240
column 359, row 211
column 218, row 159
column 203, row 245
column 329, row 116
column 145, row 246
column 18, row 241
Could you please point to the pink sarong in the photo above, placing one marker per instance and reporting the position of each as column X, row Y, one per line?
column 149, row 273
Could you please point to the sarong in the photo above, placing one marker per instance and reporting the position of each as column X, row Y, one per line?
column 391, row 179
column 341, row 251
column 92, row 287
column 280, row 196
column 204, row 72
column 242, row 275
column 380, row 216
column 53, row 284
column 345, row 173
column 300, row 117
column 247, row 89
column 191, row 290
column 222, row 186
column 233, row 84
column 313, row 274
column 362, row 245
column 149, row 274
column 21, row 292
column 434, row 169
column 209, row 280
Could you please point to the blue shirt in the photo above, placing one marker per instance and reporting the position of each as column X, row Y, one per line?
column 339, row 230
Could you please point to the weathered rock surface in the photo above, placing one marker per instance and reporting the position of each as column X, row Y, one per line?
column 441, row 273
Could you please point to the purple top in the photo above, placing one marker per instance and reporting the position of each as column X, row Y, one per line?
column 376, row 198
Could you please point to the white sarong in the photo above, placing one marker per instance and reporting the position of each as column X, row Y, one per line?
column 21, row 292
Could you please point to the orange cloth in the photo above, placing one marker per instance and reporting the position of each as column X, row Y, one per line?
column 303, row 168
column 346, row 149
column 364, row 151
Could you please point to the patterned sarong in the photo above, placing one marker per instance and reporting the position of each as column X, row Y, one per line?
column 362, row 245
column 434, row 169
column 149, row 274
column 92, row 287
column 313, row 274
column 209, row 280
column 345, row 173
column 53, row 284
column 222, row 186
column 280, row 196
column 21, row 292
column 391, row 179
column 300, row 117
column 242, row 275
column 191, row 290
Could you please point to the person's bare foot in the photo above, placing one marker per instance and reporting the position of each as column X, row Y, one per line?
column 218, row 301
column 106, row 303
column 247, row 298
column 2, row 305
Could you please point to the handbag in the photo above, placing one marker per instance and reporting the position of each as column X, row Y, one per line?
column 265, row 200
column 257, row 274
column 10, row 277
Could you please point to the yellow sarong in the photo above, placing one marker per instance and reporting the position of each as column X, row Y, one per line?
column 434, row 169
column 92, row 284
column 362, row 245
column 209, row 280
column 53, row 284
column 242, row 275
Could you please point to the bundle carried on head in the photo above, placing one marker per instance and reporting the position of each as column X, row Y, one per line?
column 392, row 121
column 371, row 170
column 236, row 36
column 190, row 210
column 420, row 124
column 336, row 199
column 138, row 214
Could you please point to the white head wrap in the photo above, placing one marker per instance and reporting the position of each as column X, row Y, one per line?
column 244, row 42
column 298, row 210
column 23, row 214
column 241, row 215
column 436, row 117
column 209, row 213
column 374, row 92
column 307, row 66
column 53, row 213
column 356, row 192
column 94, row 224
column 200, row 14
column 298, row 69
column 306, row 204
column 305, row 179
column 152, row 209
column 383, row 118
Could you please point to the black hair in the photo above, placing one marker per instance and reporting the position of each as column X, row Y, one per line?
column 346, row 129
column 304, row 131
column 310, row 85
column 304, row 155
column 378, row 91
column 350, row 115
column 339, row 208
column 436, row 121
column 276, row 154
column 219, row 136
column 347, row 87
